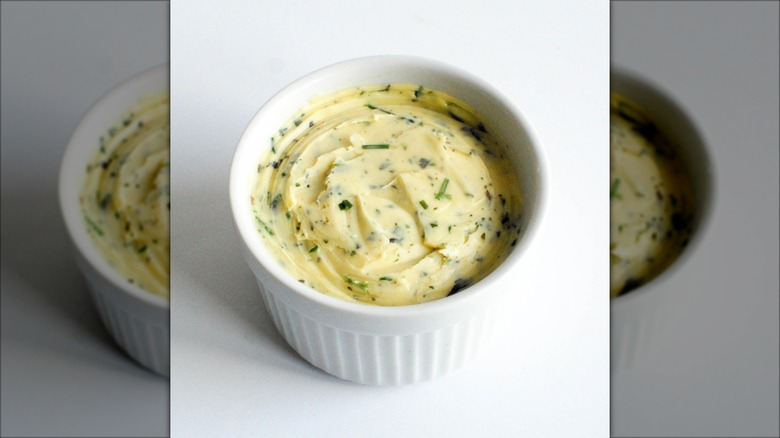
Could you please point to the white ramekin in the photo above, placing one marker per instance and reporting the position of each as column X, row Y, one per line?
column 138, row 320
column 642, row 319
column 373, row 344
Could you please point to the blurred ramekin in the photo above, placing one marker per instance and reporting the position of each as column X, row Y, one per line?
column 642, row 319
column 372, row 344
column 138, row 320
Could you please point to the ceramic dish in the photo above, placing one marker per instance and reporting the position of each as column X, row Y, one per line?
column 641, row 318
column 370, row 344
column 137, row 319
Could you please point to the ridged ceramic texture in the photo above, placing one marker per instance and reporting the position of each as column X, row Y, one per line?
column 379, row 359
column 148, row 344
column 638, row 328
column 142, row 329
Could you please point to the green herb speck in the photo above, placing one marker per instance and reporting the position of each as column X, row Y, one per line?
column 613, row 191
column 104, row 202
column 361, row 284
column 376, row 146
column 94, row 226
column 443, row 189
column 267, row 229
column 369, row 106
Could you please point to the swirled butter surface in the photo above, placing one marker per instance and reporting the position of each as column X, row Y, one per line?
column 126, row 196
column 650, row 198
column 387, row 195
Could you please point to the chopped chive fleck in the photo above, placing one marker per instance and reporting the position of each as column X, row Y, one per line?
column 345, row 205
column 424, row 204
column 267, row 229
column 385, row 278
column 613, row 190
column 443, row 189
column 104, row 202
column 361, row 284
column 315, row 248
column 376, row 146
column 287, row 215
column 369, row 106
column 142, row 249
column 274, row 204
column 418, row 92
column 434, row 224
column 94, row 226
column 424, row 162
column 452, row 114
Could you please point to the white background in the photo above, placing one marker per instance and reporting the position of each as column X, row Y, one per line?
column 718, row 375
column 546, row 374
column 62, row 373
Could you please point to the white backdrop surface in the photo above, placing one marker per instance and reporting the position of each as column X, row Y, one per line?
column 546, row 374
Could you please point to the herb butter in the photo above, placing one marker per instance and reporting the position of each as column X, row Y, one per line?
column 125, row 200
column 650, row 198
column 387, row 195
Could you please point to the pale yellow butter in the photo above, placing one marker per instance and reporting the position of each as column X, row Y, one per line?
column 387, row 195
column 650, row 198
column 126, row 195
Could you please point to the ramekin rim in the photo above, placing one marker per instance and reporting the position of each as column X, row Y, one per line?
column 651, row 289
column 261, row 256
column 81, row 241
